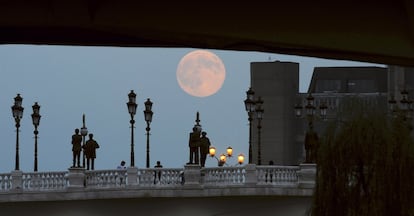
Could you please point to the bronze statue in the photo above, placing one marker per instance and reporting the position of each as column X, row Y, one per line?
column 76, row 147
column 204, row 148
column 90, row 152
column 194, row 144
column 311, row 144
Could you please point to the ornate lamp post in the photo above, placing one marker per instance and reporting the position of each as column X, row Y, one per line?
column 259, row 116
column 84, row 132
column 311, row 136
column 223, row 157
column 132, row 108
column 404, row 108
column 250, row 108
column 17, row 111
column 148, row 118
column 36, row 120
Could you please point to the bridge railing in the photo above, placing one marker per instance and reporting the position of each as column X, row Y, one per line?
column 105, row 178
column 6, row 182
column 224, row 176
column 160, row 177
column 277, row 175
column 44, row 180
column 248, row 175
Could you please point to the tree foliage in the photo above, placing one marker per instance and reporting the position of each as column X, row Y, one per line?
column 365, row 165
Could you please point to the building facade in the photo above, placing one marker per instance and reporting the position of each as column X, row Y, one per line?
column 277, row 83
column 283, row 134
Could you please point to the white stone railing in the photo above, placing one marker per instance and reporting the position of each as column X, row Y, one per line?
column 160, row 177
column 44, row 180
column 277, row 175
column 105, row 178
column 224, row 176
column 248, row 175
column 5, row 182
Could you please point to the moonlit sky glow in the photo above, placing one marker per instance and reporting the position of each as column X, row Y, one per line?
column 68, row 81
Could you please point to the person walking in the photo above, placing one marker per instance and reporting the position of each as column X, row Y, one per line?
column 122, row 165
column 157, row 173
column 204, row 148
column 121, row 174
column 76, row 148
column 90, row 152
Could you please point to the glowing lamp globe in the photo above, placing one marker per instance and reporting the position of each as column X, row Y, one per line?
column 229, row 151
column 240, row 158
column 212, row 151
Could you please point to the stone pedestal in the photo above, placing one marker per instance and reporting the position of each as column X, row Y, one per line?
column 192, row 174
column 76, row 177
column 307, row 175
column 251, row 175
column 132, row 176
column 17, row 180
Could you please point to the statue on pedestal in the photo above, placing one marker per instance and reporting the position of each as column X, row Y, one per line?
column 194, row 143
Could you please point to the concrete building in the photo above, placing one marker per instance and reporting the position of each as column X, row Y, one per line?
column 277, row 83
column 282, row 136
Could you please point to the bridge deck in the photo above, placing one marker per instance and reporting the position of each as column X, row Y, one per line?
column 252, row 205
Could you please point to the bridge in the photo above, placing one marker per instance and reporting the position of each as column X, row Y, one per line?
column 274, row 187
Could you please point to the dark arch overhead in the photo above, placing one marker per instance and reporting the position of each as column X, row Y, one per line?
column 363, row 30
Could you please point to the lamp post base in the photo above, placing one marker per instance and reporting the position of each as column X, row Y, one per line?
column 192, row 175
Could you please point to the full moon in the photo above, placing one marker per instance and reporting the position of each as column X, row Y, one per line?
column 201, row 73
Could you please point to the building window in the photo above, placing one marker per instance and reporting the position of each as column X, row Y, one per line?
column 326, row 86
column 362, row 86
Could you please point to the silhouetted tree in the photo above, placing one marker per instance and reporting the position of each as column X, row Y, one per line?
column 365, row 164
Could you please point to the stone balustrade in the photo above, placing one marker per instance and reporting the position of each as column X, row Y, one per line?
column 192, row 180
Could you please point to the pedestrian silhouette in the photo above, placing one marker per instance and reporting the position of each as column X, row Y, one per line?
column 90, row 152
column 76, row 148
column 157, row 173
column 269, row 173
column 194, row 144
column 204, row 148
column 121, row 166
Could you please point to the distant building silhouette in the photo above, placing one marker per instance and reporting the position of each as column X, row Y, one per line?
column 282, row 134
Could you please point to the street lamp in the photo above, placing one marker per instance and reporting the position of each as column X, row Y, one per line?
column 132, row 108
column 310, row 109
column 17, row 111
column 250, row 108
column 223, row 157
column 148, row 118
column 405, row 106
column 84, row 132
column 311, row 136
column 36, row 120
column 259, row 116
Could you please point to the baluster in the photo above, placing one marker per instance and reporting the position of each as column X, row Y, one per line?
column 104, row 179
column 50, row 180
column 57, row 180
column 33, row 182
column 276, row 175
column 55, row 183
